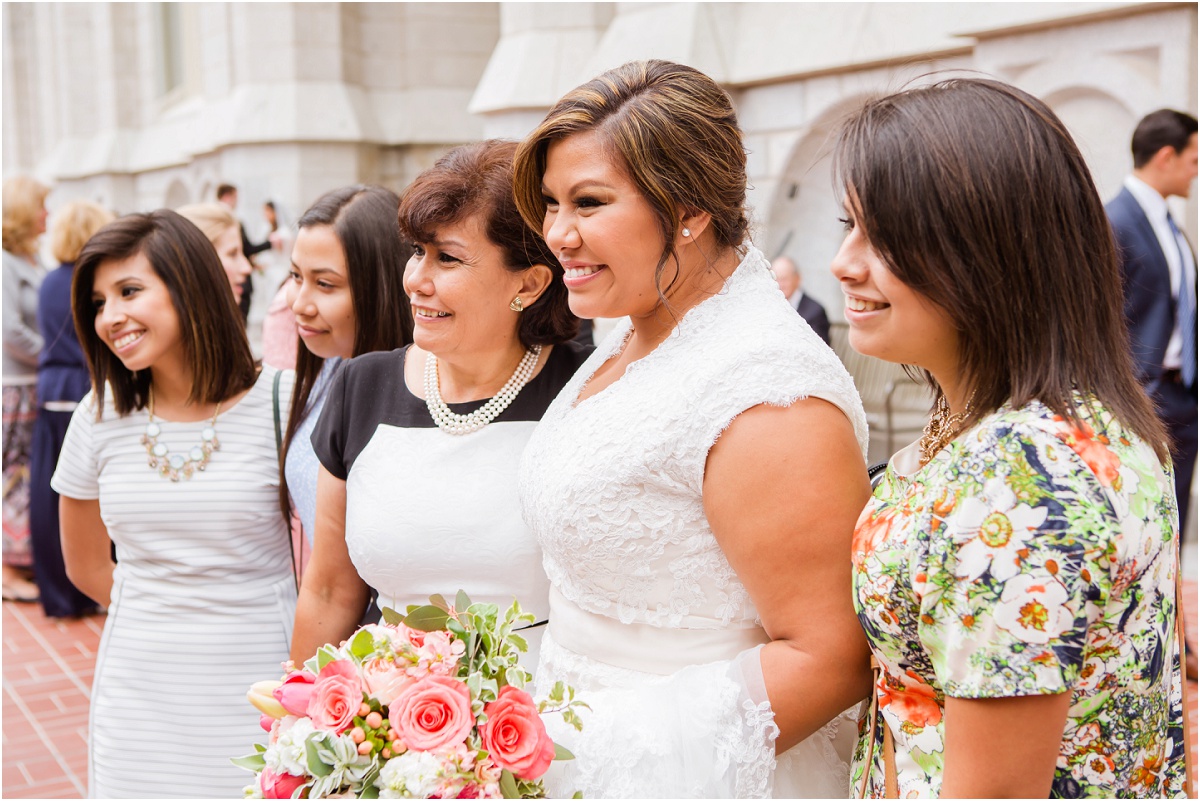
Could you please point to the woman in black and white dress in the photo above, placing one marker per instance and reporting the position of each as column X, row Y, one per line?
column 419, row 447
column 172, row 457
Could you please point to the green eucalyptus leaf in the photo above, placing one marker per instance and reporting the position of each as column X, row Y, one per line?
column 508, row 785
column 254, row 762
column 326, row 655
column 391, row 616
column 427, row 618
column 363, row 644
column 462, row 601
column 439, row 600
column 562, row 753
column 369, row 791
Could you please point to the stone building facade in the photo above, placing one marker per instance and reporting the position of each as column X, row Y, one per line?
column 142, row 105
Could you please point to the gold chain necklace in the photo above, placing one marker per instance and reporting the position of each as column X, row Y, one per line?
column 942, row 428
column 173, row 466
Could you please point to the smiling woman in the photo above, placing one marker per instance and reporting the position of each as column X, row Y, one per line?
column 174, row 442
column 418, row 447
column 346, row 293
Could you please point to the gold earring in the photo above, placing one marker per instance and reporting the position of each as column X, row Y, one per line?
column 517, row 305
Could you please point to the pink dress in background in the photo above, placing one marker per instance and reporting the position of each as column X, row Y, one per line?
column 279, row 337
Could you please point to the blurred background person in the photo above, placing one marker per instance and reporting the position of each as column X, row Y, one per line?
column 789, row 278
column 24, row 223
column 278, row 341
column 63, row 380
column 346, row 288
column 176, row 441
column 224, row 232
column 1158, row 266
column 227, row 195
column 1015, row 572
column 418, row 447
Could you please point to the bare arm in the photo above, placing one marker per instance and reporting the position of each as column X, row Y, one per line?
column 783, row 488
column 86, row 547
column 1003, row 747
column 332, row 595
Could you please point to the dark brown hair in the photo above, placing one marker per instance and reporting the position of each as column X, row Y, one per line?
column 476, row 180
column 975, row 196
column 1158, row 129
column 671, row 128
column 210, row 324
column 363, row 219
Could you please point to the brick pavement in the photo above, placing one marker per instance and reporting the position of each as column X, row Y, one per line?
column 47, row 668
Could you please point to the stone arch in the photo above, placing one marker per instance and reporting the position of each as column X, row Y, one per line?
column 177, row 195
column 802, row 219
column 1101, row 125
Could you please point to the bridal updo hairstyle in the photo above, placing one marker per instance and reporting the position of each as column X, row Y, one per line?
column 477, row 179
column 975, row 196
column 210, row 324
column 674, row 132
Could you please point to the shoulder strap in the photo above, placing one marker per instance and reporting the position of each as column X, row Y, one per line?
column 891, row 788
column 275, row 408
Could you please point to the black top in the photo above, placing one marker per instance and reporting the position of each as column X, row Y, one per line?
column 369, row 391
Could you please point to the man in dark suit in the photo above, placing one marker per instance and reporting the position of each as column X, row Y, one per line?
column 813, row 312
column 1158, row 268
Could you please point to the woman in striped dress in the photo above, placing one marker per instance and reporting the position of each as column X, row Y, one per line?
column 173, row 458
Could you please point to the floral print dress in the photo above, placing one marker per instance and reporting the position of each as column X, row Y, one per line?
column 1030, row 556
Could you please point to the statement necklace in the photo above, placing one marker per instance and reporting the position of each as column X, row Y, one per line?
column 173, row 466
column 941, row 428
column 453, row 423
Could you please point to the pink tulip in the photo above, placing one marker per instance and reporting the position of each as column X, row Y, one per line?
column 279, row 785
column 295, row 691
column 266, row 721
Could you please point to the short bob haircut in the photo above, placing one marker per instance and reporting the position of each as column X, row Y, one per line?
column 213, row 219
column 210, row 324
column 363, row 219
column 975, row 196
column 476, row 180
column 674, row 132
column 23, row 201
column 73, row 226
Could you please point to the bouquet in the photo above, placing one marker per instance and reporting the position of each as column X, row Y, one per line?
column 430, row 704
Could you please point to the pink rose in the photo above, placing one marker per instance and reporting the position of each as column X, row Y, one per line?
column 295, row 692
column 336, row 696
column 433, row 713
column 279, row 785
column 514, row 735
column 384, row 679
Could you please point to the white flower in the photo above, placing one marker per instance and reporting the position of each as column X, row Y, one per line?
column 1034, row 608
column 995, row 529
column 287, row 754
column 252, row 791
column 413, row 774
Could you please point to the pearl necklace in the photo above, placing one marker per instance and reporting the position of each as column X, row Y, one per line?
column 173, row 466
column 460, row 424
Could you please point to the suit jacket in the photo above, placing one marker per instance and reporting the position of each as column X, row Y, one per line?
column 1150, row 306
column 814, row 314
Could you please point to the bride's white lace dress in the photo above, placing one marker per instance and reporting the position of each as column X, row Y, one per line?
column 648, row 621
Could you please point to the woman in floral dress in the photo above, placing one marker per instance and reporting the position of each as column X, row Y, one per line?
column 1015, row 571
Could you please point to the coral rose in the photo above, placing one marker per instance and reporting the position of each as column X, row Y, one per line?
column 432, row 714
column 295, row 692
column 279, row 785
column 336, row 696
column 514, row 735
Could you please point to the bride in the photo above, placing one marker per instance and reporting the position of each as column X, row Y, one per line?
column 695, row 485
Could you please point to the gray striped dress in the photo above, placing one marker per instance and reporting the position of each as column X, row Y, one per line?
column 202, row 599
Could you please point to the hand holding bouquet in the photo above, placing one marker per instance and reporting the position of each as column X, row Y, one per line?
column 427, row 705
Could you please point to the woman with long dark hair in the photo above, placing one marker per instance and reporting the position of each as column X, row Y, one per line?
column 172, row 457
column 347, row 294
column 1015, row 572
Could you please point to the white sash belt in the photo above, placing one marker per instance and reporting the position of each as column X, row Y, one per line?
column 641, row 647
